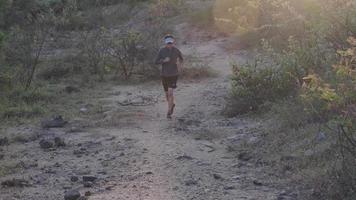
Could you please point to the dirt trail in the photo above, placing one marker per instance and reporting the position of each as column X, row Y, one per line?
column 187, row 156
column 137, row 154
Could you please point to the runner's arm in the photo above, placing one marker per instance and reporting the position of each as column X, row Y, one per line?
column 180, row 56
column 159, row 59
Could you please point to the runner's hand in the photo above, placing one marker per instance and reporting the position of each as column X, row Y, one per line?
column 180, row 67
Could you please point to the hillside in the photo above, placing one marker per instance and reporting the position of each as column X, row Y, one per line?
column 265, row 103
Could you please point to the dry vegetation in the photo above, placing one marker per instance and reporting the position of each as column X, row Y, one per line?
column 303, row 76
column 46, row 46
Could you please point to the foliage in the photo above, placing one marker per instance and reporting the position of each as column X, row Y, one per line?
column 308, row 61
column 128, row 53
column 166, row 8
column 253, row 85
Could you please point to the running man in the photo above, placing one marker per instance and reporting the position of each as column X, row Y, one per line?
column 171, row 59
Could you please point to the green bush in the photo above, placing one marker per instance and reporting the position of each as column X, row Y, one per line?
column 256, row 84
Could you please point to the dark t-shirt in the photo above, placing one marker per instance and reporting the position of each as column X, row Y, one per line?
column 169, row 68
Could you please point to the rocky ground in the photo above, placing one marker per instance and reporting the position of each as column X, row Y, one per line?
column 129, row 150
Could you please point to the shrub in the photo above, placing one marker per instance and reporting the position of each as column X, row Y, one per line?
column 166, row 8
column 255, row 84
column 94, row 51
column 128, row 53
column 203, row 18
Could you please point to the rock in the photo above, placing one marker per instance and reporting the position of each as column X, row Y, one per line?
column 4, row 141
column 83, row 110
column 46, row 144
column 229, row 187
column 217, row 176
column 87, row 193
column 244, row 156
column 79, row 152
column 82, row 198
column 88, row 184
column 257, row 183
column 184, row 157
column 109, row 187
column 2, row 156
column 89, row 178
column 55, row 122
column 191, row 182
column 15, row 183
column 236, row 178
column 72, row 195
column 59, row 142
column 207, row 147
column 71, row 89
column 74, row 178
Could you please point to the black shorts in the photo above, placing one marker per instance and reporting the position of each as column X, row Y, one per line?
column 169, row 82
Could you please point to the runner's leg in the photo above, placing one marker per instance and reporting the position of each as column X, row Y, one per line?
column 170, row 99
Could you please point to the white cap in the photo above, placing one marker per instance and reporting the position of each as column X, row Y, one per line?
column 169, row 40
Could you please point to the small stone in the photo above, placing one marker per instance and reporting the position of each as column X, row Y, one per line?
column 257, row 183
column 74, row 178
column 55, row 122
column 184, row 157
column 191, row 182
column 229, row 187
column 57, row 165
column 244, row 156
column 59, row 142
column 89, row 178
column 109, row 187
column 71, row 89
column 79, row 152
column 87, row 193
column 102, row 172
column 217, row 176
column 72, row 195
column 83, row 110
column 88, row 184
column 46, row 144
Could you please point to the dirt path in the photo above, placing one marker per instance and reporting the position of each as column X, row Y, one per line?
column 135, row 153
column 187, row 157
